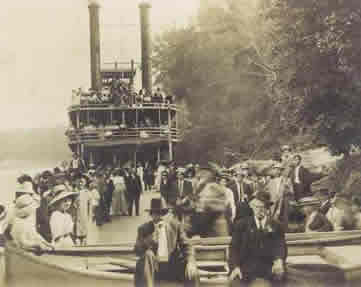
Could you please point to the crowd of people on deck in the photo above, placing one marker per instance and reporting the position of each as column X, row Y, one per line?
column 118, row 93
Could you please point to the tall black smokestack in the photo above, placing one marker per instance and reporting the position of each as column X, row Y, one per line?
column 96, row 82
column 146, row 43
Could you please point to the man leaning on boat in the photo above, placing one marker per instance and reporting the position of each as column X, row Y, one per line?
column 258, row 249
column 163, row 250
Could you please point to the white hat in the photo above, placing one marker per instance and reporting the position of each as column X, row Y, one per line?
column 285, row 147
column 244, row 165
column 26, row 187
column 62, row 195
column 278, row 165
column 25, row 205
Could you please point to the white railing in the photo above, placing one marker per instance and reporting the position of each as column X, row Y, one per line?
column 101, row 134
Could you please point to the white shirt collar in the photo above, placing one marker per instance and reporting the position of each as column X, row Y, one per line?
column 258, row 222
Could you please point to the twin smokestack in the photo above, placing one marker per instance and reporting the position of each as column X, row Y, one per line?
column 146, row 46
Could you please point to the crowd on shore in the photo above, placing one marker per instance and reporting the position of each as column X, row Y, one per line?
column 67, row 205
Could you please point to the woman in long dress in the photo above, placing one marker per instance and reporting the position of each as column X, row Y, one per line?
column 61, row 222
column 82, row 204
column 120, row 205
column 93, row 230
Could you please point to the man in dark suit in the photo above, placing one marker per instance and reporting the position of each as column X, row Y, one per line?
column 164, row 251
column 242, row 191
column 301, row 179
column 134, row 188
column 184, row 187
column 258, row 249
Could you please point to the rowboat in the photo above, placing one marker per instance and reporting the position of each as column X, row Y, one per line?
column 312, row 256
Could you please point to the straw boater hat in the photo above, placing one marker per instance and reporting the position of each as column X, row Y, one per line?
column 308, row 201
column 285, row 147
column 157, row 205
column 278, row 165
column 25, row 205
column 61, row 195
column 181, row 170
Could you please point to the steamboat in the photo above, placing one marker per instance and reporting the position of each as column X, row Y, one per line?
column 111, row 123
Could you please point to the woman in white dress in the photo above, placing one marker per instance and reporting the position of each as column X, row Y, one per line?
column 61, row 222
column 23, row 230
column 94, row 205
column 119, row 203
column 82, row 206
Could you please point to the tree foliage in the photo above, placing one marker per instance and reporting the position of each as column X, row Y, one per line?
column 255, row 73
column 316, row 52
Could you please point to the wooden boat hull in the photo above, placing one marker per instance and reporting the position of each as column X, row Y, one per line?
column 90, row 266
column 26, row 269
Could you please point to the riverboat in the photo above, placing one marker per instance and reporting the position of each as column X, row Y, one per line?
column 311, row 257
column 111, row 124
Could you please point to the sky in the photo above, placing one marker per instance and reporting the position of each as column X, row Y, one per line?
column 44, row 51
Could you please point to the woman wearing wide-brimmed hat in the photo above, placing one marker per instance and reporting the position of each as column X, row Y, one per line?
column 23, row 230
column 61, row 222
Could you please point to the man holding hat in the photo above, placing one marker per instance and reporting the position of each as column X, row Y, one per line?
column 163, row 250
column 258, row 248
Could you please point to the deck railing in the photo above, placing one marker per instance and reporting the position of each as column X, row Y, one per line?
column 101, row 134
column 108, row 106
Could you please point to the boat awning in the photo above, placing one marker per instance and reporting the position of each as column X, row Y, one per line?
column 127, row 141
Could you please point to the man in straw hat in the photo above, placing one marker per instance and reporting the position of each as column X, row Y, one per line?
column 279, row 187
column 163, row 250
column 258, row 249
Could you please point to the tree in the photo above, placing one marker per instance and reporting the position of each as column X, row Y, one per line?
column 316, row 52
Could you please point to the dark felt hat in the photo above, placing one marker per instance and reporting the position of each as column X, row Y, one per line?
column 263, row 196
column 157, row 205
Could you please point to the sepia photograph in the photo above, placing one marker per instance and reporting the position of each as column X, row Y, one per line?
column 169, row 143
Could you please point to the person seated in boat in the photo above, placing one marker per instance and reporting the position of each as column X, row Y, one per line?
column 315, row 220
column 164, row 251
column 61, row 222
column 23, row 231
column 340, row 213
column 258, row 248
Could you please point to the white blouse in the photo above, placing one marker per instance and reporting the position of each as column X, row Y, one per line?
column 61, row 224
